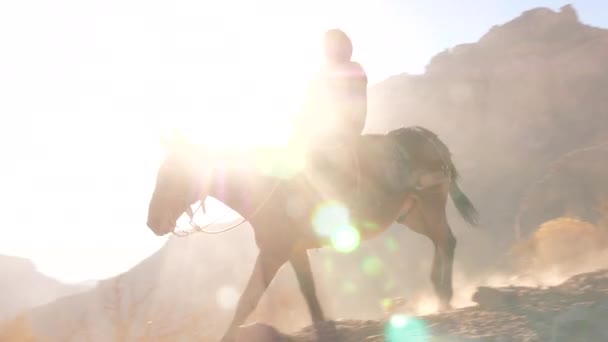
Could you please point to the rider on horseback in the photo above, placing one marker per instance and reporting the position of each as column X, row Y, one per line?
column 336, row 106
column 333, row 118
column 335, row 109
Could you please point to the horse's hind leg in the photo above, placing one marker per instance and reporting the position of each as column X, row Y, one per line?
column 301, row 265
column 266, row 267
column 444, row 275
column 428, row 217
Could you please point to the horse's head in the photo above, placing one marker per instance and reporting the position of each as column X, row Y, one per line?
column 180, row 182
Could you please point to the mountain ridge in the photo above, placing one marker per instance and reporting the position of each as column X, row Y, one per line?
column 25, row 287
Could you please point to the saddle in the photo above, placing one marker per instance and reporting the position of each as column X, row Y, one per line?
column 378, row 160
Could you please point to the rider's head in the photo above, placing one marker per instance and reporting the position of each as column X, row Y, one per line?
column 337, row 46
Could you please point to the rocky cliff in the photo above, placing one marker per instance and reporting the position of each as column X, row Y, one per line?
column 527, row 92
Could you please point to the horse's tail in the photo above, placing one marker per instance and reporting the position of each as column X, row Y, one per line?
column 461, row 201
column 463, row 204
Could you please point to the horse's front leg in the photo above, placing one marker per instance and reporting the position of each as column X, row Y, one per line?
column 301, row 266
column 266, row 267
column 326, row 331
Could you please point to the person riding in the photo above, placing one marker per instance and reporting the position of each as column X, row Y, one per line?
column 335, row 108
column 334, row 111
column 334, row 114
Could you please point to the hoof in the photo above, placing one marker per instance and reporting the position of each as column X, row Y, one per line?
column 326, row 331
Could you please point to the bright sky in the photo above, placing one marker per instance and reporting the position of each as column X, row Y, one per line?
column 88, row 86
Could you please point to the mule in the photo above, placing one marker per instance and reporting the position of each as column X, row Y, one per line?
column 281, row 210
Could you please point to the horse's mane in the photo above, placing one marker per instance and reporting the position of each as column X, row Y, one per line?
column 413, row 138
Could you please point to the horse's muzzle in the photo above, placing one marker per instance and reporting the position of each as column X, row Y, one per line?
column 159, row 227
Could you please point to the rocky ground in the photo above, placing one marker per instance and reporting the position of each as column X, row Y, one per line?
column 574, row 311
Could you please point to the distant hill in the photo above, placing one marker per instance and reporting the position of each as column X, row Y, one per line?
column 185, row 290
column 23, row 287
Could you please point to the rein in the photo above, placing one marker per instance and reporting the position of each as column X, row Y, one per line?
column 195, row 228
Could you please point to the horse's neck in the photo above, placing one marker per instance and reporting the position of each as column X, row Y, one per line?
column 239, row 187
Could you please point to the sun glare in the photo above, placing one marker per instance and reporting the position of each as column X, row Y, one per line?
column 108, row 79
column 256, row 109
column 255, row 77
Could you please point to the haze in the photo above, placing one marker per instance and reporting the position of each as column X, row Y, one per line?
column 88, row 87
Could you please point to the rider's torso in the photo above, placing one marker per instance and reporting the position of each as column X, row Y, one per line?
column 333, row 91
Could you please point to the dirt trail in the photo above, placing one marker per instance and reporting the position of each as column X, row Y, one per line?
column 574, row 311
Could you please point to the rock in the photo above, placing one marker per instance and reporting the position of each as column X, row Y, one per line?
column 259, row 332
column 491, row 298
column 581, row 321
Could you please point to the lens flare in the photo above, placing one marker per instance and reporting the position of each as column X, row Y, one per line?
column 391, row 244
column 390, row 285
column 402, row 328
column 328, row 217
column 332, row 220
column 227, row 297
column 349, row 287
column 372, row 266
column 345, row 239
column 370, row 226
column 386, row 304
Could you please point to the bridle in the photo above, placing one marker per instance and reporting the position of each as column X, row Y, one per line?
column 195, row 228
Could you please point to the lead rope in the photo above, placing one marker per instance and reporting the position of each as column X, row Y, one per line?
column 195, row 228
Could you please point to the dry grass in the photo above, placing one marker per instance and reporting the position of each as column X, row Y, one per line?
column 17, row 330
column 564, row 244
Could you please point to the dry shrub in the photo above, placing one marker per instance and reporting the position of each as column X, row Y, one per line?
column 565, row 244
column 16, row 330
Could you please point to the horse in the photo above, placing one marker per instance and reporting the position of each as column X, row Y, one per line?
column 281, row 209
